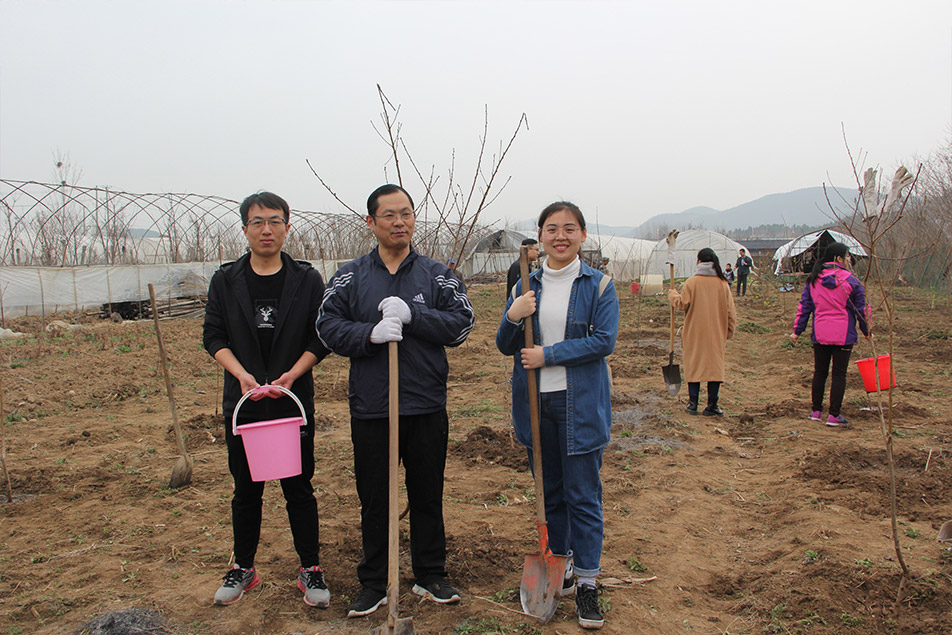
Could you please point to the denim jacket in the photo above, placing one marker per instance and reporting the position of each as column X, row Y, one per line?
column 591, row 329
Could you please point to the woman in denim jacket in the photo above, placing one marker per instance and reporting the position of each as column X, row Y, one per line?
column 575, row 324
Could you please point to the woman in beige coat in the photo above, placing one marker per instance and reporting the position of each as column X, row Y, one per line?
column 708, row 324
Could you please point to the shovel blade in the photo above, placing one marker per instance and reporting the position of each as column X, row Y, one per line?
column 181, row 473
column 541, row 587
column 945, row 532
column 672, row 378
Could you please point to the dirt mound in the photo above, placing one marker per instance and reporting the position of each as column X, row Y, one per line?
column 858, row 477
column 495, row 447
column 809, row 596
column 127, row 622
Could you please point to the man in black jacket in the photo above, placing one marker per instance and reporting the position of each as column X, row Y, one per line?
column 742, row 268
column 394, row 294
column 259, row 326
column 515, row 269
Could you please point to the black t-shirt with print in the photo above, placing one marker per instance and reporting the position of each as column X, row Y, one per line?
column 265, row 292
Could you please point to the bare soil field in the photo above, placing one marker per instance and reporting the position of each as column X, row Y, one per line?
column 758, row 522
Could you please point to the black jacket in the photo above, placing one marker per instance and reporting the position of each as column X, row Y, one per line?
column 440, row 315
column 229, row 323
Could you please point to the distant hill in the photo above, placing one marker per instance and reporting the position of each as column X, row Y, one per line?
column 804, row 207
column 783, row 214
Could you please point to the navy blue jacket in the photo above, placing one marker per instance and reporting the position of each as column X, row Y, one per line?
column 229, row 323
column 591, row 328
column 440, row 315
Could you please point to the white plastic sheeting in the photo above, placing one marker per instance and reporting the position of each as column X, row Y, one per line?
column 627, row 257
column 32, row 290
column 799, row 245
column 689, row 243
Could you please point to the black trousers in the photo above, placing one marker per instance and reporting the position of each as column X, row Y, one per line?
column 741, row 282
column 713, row 389
column 298, row 494
column 423, row 441
column 822, row 355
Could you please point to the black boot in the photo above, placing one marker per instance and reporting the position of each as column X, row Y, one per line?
column 692, row 407
column 712, row 410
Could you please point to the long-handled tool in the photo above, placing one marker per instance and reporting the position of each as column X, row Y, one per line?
column 182, row 472
column 395, row 624
column 542, row 572
column 672, row 372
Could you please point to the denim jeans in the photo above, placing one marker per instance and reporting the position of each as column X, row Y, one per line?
column 573, row 491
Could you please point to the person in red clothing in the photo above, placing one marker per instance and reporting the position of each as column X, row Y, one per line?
column 837, row 301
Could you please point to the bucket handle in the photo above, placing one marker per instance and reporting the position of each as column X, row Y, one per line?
column 234, row 417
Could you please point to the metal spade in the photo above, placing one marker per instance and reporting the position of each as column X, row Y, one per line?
column 672, row 372
column 542, row 572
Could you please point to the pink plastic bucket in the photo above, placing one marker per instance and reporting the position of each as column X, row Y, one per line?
column 867, row 370
column 273, row 448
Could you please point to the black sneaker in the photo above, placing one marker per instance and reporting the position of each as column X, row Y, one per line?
column 235, row 583
column 438, row 590
column 568, row 586
column 586, row 605
column 311, row 583
column 713, row 411
column 367, row 602
column 691, row 408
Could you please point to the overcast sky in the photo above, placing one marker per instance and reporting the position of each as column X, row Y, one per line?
column 634, row 108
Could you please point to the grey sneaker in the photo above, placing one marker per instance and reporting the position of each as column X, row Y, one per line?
column 311, row 583
column 438, row 590
column 235, row 583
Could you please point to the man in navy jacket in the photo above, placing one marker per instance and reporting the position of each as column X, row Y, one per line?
column 259, row 327
column 394, row 294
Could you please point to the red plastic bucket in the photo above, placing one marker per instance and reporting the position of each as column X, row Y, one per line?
column 273, row 448
column 635, row 287
column 867, row 370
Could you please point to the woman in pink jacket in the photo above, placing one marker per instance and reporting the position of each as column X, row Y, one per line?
column 837, row 301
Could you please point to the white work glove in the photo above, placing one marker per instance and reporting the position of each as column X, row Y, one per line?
column 671, row 240
column 900, row 181
column 389, row 329
column 393, row 306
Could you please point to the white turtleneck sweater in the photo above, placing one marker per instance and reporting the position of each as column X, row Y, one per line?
column 553, row 313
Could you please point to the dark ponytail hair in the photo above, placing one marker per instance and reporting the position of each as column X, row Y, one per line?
column 708, row 255
column 831, row 253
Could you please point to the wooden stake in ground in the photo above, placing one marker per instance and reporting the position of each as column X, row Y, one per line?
column 395, row 625
column 182, row 472
column 3, row 448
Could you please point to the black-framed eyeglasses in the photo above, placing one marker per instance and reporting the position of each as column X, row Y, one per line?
column 274, row 221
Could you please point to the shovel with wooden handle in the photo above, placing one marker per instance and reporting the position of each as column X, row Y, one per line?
column 182, row 471
column 542, row 572
column 395, row 624
column 672, row 372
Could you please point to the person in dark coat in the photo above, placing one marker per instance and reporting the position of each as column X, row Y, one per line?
column 742, row 268
column 259, row 326
column 394, row 294
column 515, row 271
